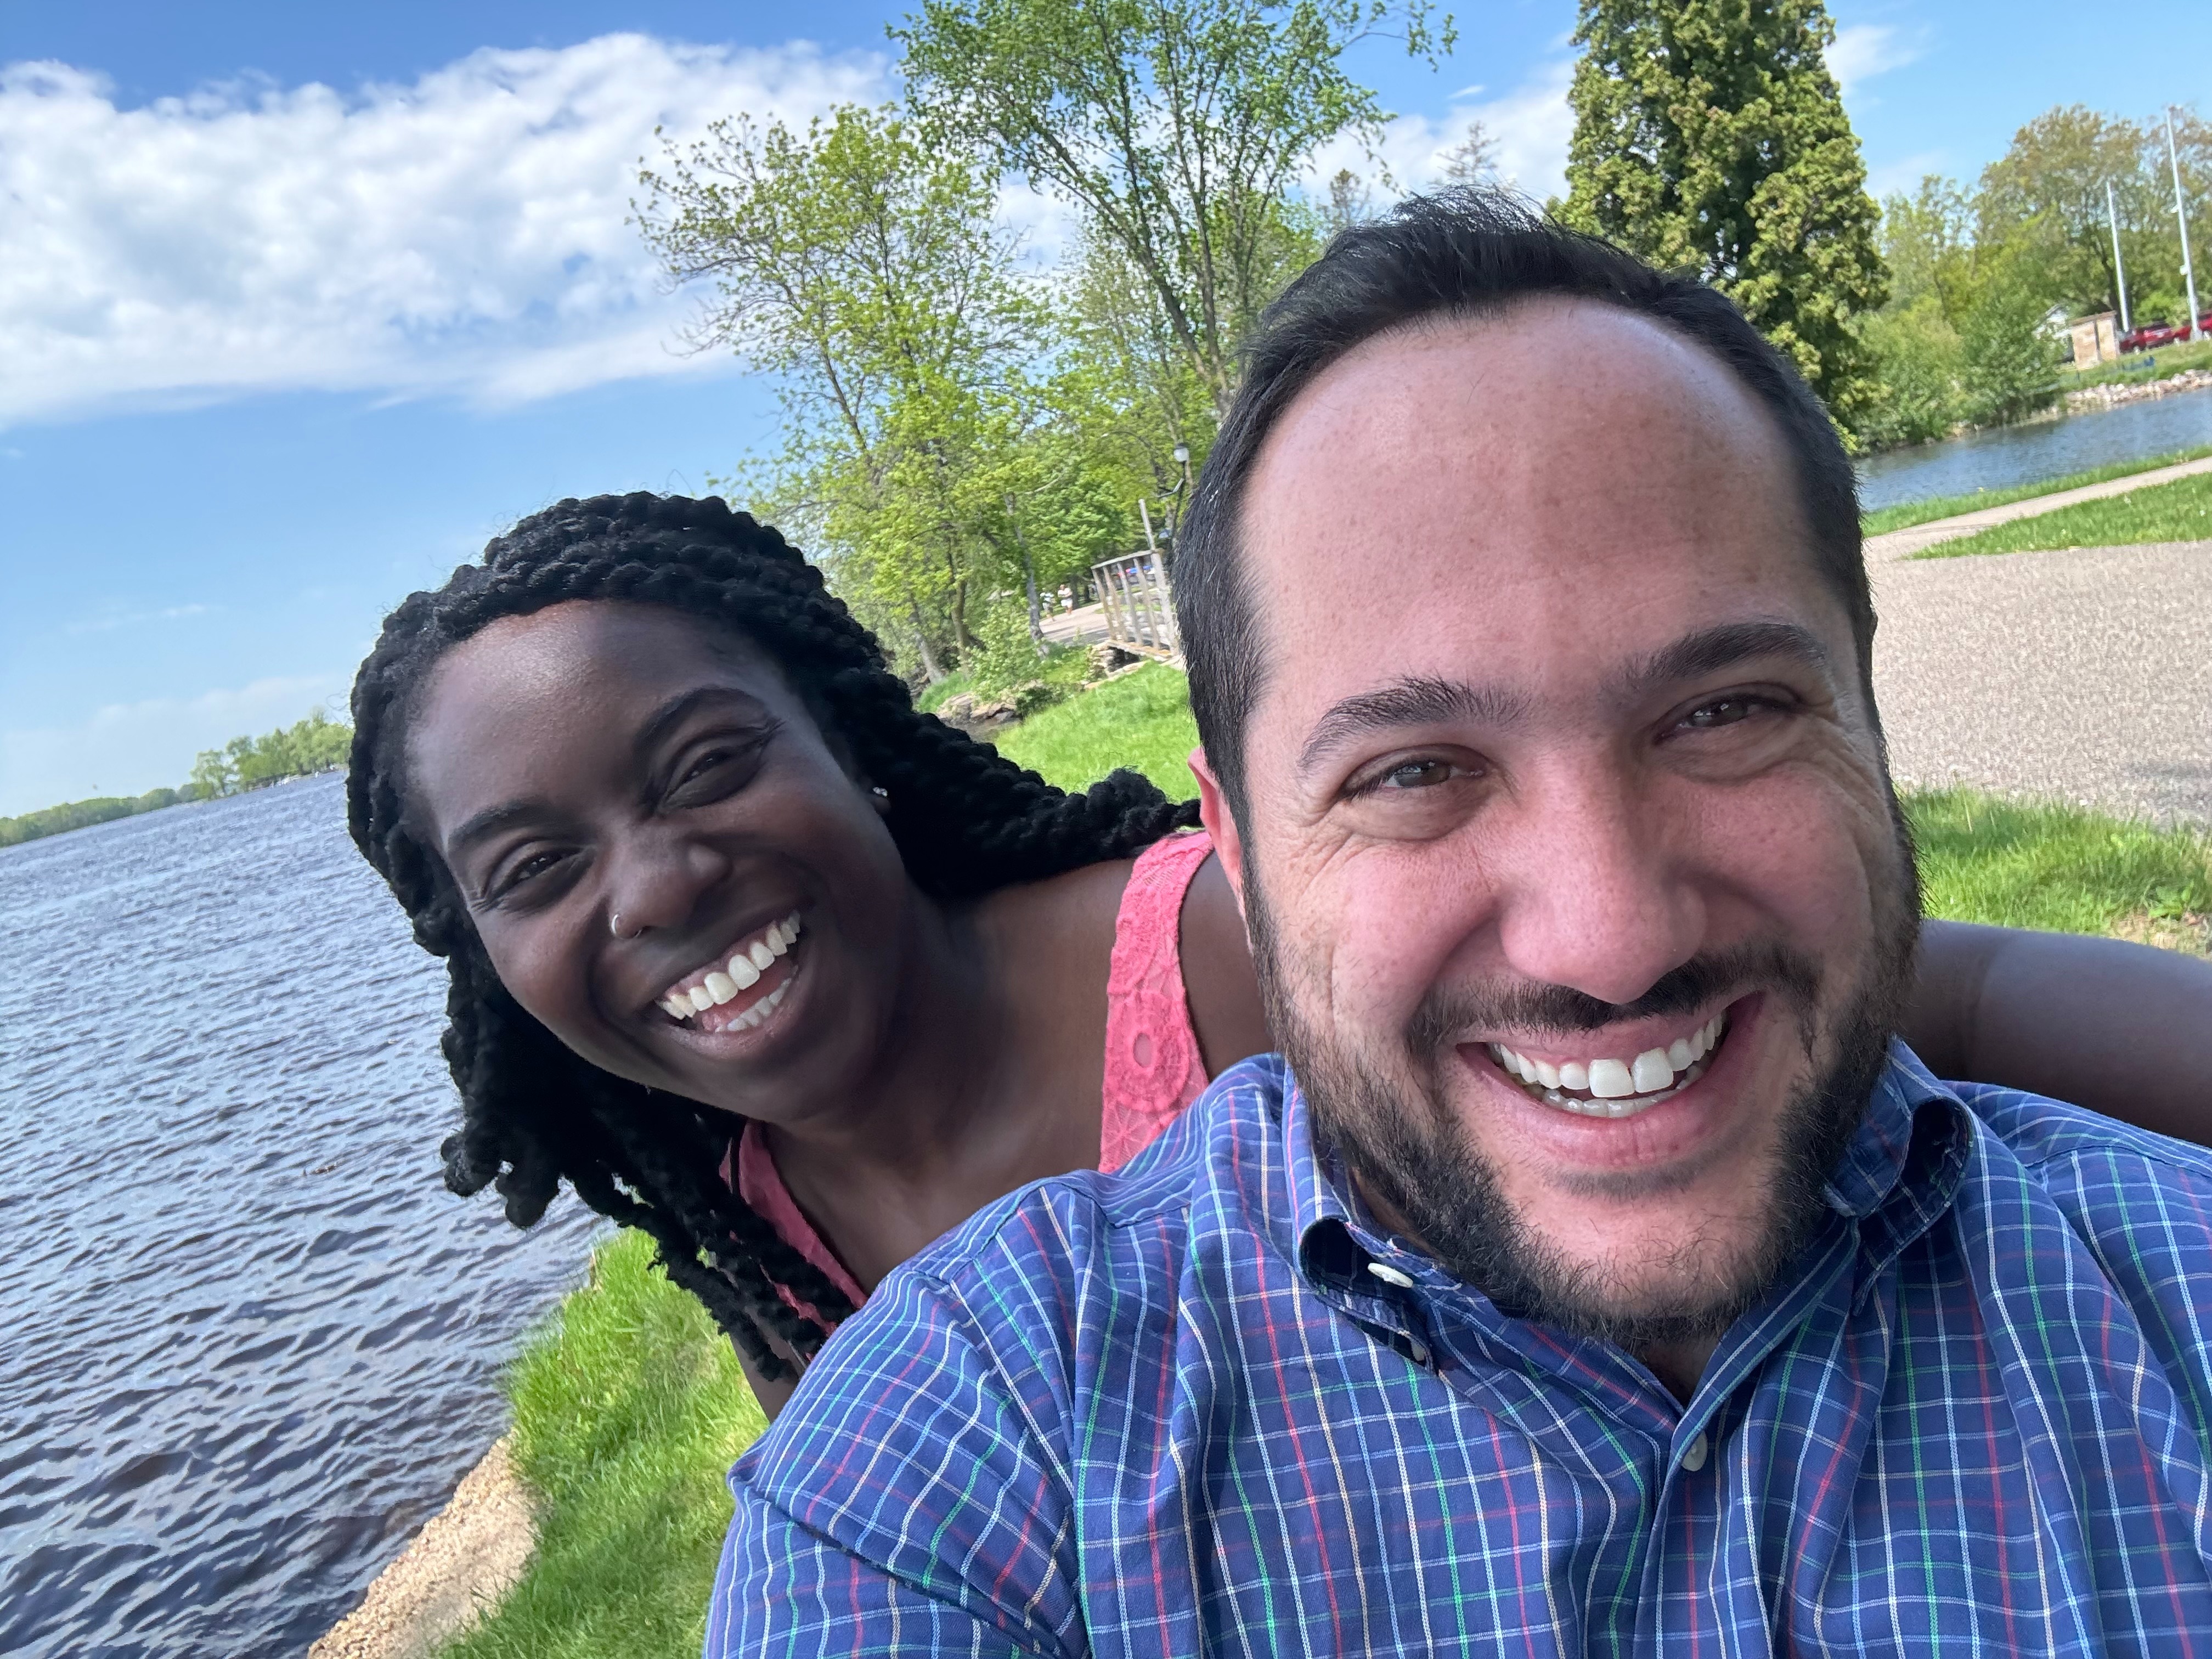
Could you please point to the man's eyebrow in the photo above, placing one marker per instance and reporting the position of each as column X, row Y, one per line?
column 1416, row 701
column 1712, row 649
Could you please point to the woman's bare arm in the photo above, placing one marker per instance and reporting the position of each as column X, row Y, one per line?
column 2124, row 1029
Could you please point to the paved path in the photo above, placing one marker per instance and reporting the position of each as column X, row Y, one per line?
column 1902, row 543
column 2085, row 674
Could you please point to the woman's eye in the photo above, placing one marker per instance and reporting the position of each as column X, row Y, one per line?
column 530, row 869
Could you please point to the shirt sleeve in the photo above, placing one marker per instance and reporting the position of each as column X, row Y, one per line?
column 782, row 1589
column 905, row 1501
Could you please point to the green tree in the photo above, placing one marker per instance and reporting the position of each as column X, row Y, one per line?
column 213, row 774
column 2008, row 366
column 1710, row 135
column 865, row 269
column 1179, row 128
column 2051, row 182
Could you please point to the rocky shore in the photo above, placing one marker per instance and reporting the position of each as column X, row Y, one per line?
column 2112, row 394
column 459, row 1566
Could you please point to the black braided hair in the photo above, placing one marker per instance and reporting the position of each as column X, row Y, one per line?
column 965, row 820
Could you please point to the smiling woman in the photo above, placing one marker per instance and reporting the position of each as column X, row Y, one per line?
column 639, row 755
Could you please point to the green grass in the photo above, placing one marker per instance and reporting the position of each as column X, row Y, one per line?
column 1142, row 719
column 1908, row 513
column 2063, row 869
column 628, row 1411
column 2178, row 512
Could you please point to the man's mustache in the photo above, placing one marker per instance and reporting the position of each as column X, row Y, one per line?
column 1535, row 1008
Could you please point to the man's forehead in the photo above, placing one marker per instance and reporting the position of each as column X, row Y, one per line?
column 1560, row 472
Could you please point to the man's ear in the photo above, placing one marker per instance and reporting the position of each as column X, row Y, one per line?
column 1220, row 825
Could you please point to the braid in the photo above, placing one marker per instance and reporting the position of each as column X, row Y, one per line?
column 965, row 820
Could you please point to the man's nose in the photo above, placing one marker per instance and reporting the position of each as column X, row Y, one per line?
column 1596, row 895
column 658, row 880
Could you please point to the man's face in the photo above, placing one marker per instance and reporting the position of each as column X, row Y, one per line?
column 1562, row 766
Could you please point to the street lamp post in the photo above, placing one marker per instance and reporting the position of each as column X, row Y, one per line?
column 2119, row 270
column 2181, row 213
column 1181, row 453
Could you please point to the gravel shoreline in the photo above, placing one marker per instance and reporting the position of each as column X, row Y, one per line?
column 459, row 1567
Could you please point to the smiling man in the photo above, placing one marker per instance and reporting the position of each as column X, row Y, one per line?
column 1597, row 1274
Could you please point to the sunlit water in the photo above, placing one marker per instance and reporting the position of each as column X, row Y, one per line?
column 248, row 1342
column 2012, row 455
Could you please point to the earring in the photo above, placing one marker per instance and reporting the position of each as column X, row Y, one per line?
column 879, row 792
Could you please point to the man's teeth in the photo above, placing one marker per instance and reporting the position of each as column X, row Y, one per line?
column 1616, row 1088
column 741, row 972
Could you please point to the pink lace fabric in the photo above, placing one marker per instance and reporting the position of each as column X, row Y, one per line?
column 1153, row 1066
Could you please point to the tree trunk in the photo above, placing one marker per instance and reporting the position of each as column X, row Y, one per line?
column 931, row 670
column 1029, row 575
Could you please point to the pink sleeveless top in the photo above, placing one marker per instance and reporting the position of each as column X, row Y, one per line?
column 1153, row 1066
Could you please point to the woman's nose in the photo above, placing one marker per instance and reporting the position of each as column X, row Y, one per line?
column 658, row 881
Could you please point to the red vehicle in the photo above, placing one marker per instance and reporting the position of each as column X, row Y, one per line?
column 2153, row 335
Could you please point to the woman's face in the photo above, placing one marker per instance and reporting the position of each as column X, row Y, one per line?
column 636, row 805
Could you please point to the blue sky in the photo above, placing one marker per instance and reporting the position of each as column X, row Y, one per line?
column 300, row 304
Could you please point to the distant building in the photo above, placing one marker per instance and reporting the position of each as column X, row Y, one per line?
column 2096, row 340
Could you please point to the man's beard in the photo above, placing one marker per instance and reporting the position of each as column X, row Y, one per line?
column 1405, row 1146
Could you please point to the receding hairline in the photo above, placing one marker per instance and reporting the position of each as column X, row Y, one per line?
column 1447, row 325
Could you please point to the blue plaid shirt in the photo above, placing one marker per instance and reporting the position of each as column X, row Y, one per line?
column 1170, row 1411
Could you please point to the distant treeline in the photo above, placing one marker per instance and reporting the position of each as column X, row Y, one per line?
column 317, row 744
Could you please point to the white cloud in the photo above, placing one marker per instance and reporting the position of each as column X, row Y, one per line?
column 462, row 234
column 1862, row 50
column 1531, row 125
column 1906, row 175
column 127, row 748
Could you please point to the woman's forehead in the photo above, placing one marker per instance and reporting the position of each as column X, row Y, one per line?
column 572, row 685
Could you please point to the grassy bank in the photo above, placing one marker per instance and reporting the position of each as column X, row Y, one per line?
column 629, row 1409
column 1906, row 514
column 2177, row 512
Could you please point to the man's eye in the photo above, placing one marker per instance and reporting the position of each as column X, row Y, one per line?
column 1724, row 711
column 1425, row 774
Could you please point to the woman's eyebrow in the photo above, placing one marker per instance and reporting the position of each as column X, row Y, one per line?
column 681, row 706
column 490, row 822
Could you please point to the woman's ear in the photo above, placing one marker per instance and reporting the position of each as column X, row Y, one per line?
column 1220, row 825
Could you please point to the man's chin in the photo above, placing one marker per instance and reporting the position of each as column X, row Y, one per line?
column 1679, row 1260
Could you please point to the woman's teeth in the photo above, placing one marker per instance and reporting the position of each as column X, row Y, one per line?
column 1604, row 1087
column 696, row 993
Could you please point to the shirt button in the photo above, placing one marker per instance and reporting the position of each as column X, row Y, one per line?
column 1693, row 1454
column 1391, row 1275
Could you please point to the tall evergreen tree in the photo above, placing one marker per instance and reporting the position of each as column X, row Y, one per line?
column 1710, row 135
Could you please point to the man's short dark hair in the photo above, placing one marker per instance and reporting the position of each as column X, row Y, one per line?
column 1459, row 252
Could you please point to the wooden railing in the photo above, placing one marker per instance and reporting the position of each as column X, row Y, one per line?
column 1133, row 591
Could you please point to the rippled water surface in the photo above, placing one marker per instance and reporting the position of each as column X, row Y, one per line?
column 2008, row 456
column 248, row 1342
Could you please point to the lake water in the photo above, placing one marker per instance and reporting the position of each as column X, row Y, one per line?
column 2006, row 456
column 250, row 1342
